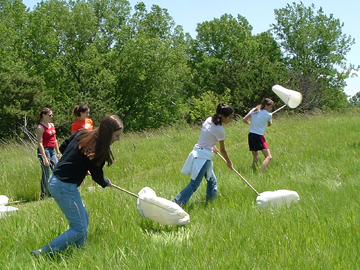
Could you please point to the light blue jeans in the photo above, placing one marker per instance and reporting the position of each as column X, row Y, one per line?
column 211, row 189
column 51, row 155
column 69, row 200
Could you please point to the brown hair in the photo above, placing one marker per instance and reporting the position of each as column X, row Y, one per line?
column 95, row 144
column 44, row 111
column 265, row 102
column 221, row 110
column 80, row 109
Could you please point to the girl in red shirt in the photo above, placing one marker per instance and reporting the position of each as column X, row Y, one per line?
column 47, row 145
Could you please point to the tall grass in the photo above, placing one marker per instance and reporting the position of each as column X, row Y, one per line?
column 315, row 155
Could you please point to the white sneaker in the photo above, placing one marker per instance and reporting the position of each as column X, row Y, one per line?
column 36, row 253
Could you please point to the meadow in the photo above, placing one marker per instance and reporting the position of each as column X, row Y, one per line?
column 316, row 155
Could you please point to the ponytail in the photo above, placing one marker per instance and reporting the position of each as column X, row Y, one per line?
column 264, row 102
column 80, row 109
column 221, row 110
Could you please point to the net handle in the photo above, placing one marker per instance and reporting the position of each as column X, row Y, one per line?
column 126, row 191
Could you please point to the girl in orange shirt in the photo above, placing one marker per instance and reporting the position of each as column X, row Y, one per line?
column 83, row 121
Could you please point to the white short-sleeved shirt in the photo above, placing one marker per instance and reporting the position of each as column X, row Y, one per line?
column 259, row 120
column 210, row 134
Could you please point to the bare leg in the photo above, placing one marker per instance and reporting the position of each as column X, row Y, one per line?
column 255, row 159
column 267, row 159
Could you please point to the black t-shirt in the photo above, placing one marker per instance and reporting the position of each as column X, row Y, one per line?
column 74, row 165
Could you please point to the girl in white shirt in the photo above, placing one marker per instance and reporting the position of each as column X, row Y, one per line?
column 260, row 119
column 199, row 162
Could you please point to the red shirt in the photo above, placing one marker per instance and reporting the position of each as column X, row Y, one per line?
column 49, row 135
column 80, row 124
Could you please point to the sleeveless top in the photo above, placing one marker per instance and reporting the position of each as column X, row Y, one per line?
column 49, row 135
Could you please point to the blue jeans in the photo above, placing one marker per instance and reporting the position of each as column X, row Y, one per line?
column 67, row 196
column 211, row 189
column 51, row 155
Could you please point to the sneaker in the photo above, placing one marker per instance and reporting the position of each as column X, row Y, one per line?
column 36, row 253
column 39, row 252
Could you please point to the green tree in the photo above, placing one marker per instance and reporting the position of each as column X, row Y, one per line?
column 314, row 50
column 112, row 20
column 355, row 99
column 49, row 58
column 71, row 49
column 206, row 105
column 19, row 91
column 225, row 55
column 150, row 69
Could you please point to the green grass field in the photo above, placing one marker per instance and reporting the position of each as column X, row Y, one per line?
column 316, row 155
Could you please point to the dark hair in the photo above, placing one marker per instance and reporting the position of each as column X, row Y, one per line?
column 44, row 111
column 80, row 109
column 221, row 110
column 95, row 144
column 264, row 102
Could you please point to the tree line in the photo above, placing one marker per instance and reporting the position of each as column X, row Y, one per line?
column 139, row 64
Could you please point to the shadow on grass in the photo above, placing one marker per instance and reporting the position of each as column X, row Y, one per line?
column 152, row 227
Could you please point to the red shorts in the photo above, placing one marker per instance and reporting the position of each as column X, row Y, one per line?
column 257, row 142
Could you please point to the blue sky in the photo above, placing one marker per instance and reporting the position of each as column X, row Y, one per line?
column 260, row 14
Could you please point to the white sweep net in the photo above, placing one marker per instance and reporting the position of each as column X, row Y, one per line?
column 277, row 198
column 290, row 97
column 159, row 209
column 6, row 210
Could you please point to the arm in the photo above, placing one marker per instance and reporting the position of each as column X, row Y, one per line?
column 39, row 135
column 65, row 143
column 57, row 148
column 246, row 119
column 269, row 123
column 97, row 175
column 73, row 128
column 224, row 154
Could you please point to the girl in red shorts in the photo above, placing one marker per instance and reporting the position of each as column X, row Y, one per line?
column 261, row 118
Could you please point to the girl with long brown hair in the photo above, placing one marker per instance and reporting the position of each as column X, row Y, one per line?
column 86, row 150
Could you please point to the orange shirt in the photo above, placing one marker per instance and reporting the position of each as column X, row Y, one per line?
column 80, row 124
